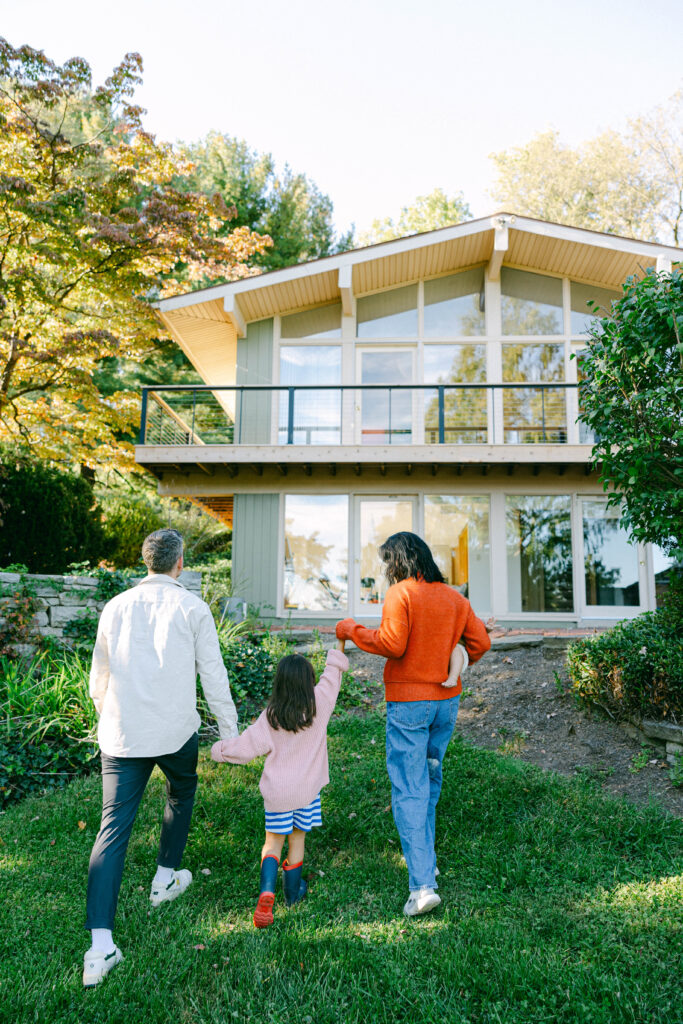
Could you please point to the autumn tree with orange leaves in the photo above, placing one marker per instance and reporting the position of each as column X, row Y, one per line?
column 94, row 224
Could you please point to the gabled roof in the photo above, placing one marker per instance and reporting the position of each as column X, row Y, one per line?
column 591, row 256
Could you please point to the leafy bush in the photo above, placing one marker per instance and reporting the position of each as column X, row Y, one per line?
column 48, row 724
column 636, row 668
column 48, row 518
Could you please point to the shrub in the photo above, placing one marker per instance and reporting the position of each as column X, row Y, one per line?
column 636, row 668
column 47, row 724
column 48, row 518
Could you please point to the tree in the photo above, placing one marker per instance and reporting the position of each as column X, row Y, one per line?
column 631, row 397
column 48, row 519
column 628, row 183
column 93, row 224
column 435, row 210
column 288, row 207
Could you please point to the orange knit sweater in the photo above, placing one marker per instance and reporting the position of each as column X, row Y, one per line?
column 421, row 624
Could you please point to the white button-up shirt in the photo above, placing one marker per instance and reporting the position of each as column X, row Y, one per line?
column 152, row 640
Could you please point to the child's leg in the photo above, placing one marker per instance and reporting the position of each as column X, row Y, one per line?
column 294, row 885
column 273, row 845
column 295, row 846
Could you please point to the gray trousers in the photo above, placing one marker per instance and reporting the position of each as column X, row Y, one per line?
column 123, row 782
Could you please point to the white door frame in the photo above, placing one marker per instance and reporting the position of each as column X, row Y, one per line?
column 356, row 608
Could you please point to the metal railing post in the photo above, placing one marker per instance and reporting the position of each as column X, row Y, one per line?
column 190, row 439
column 390, row 433
column 143, row 418
column 442, row 418
column 290, row 416
column 543, row 413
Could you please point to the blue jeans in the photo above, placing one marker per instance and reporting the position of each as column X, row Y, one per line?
column 418, row 733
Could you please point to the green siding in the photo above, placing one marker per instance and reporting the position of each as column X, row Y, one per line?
column 255, row 366
column 255, row 566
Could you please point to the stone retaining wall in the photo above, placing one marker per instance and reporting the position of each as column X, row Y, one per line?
column 61, row 599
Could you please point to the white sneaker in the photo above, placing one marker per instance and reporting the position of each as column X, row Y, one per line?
column 421, row 901
column 96, row 965
column 164, row 894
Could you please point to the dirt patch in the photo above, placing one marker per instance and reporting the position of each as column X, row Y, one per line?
column 516, row 700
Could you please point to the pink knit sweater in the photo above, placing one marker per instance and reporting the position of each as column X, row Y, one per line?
column 296, row 765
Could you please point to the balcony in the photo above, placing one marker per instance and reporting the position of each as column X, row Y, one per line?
column 217, row 430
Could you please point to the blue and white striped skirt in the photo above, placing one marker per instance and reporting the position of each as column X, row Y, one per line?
column 304, row 818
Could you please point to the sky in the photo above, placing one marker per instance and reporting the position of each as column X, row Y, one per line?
column 377, row 101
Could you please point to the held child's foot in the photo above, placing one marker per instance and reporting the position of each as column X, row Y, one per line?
column 294, row 885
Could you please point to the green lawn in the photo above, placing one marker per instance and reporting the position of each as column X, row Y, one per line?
column 559, row 905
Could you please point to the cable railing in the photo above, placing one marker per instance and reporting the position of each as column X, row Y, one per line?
column 366, row 414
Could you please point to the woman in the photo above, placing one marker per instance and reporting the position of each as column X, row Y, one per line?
column 422, row 622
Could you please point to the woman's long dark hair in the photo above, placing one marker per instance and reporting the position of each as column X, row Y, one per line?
column 292, row 702
column 406, row 555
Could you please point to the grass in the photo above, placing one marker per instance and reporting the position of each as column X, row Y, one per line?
column 559, row 905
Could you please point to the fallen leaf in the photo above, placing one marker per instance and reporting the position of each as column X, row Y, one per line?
column 200, row 945
column 37, row 818
column 353, row 814
column 372, row 742
column 81, row 825
column 508, row 661
column 206, row 871
column 322, row 874
column 52, row 842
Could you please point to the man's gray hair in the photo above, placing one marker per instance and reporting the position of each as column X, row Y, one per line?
column 161, row 550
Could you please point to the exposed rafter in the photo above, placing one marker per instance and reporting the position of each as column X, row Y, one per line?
column 233, row 312
column 345, row 281
column 501, row 243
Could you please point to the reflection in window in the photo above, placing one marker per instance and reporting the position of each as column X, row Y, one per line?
column 464, row 410
column 534, row 415
column 610, row 561
column 316, row 415
column 586, row 434
column 539, row 553
column 387, row 415
column 530, row 303
column 323, row 322
column 454, row 305
column 379, row 519
column 582, row 314
column 457, row 531
column 390, row 314
column 316, row 552
column 662, row 565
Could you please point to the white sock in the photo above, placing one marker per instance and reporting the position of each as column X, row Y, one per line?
column 102, row 940
column 163, row 877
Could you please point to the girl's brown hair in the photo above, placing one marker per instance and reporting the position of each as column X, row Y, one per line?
column 292, row 702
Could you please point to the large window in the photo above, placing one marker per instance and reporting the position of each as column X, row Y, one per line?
column 462, row 410
column 454, row 305
column 534, row 414
column 457, row 531
column 390, row 314
column 322, row 322
column 539, row 553
column 387, row 414
column 379, row 519
column 581, row 313
column 530, row 303
column 310, row 417
column 610, row 561
column 316, row 552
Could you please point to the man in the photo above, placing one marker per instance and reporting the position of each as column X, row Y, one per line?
column 152, row 641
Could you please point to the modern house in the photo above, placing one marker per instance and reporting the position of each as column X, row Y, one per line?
column 421, row 384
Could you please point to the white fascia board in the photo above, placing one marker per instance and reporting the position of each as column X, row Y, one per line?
column 380, row 250
column 599, row 239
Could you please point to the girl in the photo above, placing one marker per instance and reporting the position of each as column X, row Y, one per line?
column 426, row 625
column 292, row 733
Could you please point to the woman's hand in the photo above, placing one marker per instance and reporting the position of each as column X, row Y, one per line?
column 343, row 629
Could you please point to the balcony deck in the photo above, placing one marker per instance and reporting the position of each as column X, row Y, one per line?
column 254, row 432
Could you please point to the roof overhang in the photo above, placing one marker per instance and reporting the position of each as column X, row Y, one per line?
column 588, row 256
